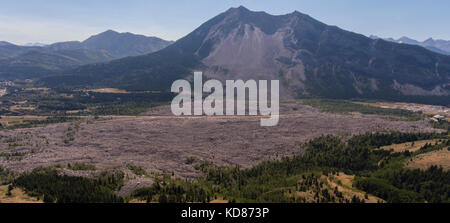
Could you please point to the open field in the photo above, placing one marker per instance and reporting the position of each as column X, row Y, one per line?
column 426, row 109
column 160, row 142
column 410, row 146
column 14, row 120
column 17, row 196
column 345, row 185
column 339, row 185
column 436, row 158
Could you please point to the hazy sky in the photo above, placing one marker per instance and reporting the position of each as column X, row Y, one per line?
column 49, row 21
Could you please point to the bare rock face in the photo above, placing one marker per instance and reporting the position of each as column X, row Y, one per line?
column 307, row 56
column 249, row 53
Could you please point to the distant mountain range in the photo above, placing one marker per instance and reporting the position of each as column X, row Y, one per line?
column 36, row 44
column 35, row 60
column 4, row 43
column 438, row 46
column 309, row 58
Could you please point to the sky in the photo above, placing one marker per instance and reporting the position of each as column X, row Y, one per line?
column 49, row 21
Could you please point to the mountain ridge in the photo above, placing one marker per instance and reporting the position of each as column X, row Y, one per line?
column 309, row 57
column 438, row 46
column 34, row 61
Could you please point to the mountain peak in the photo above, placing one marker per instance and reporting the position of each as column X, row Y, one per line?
column 241, row 10
column 438, row 46
column 297, row 14
column 429, row 40
column 405, row 38
column 109, row 32
column 102, row 36
column 308, row 56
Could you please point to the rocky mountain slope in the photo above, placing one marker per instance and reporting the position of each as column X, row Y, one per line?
column 307, row 56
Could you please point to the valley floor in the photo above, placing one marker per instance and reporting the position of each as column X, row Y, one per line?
column 158, row 142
